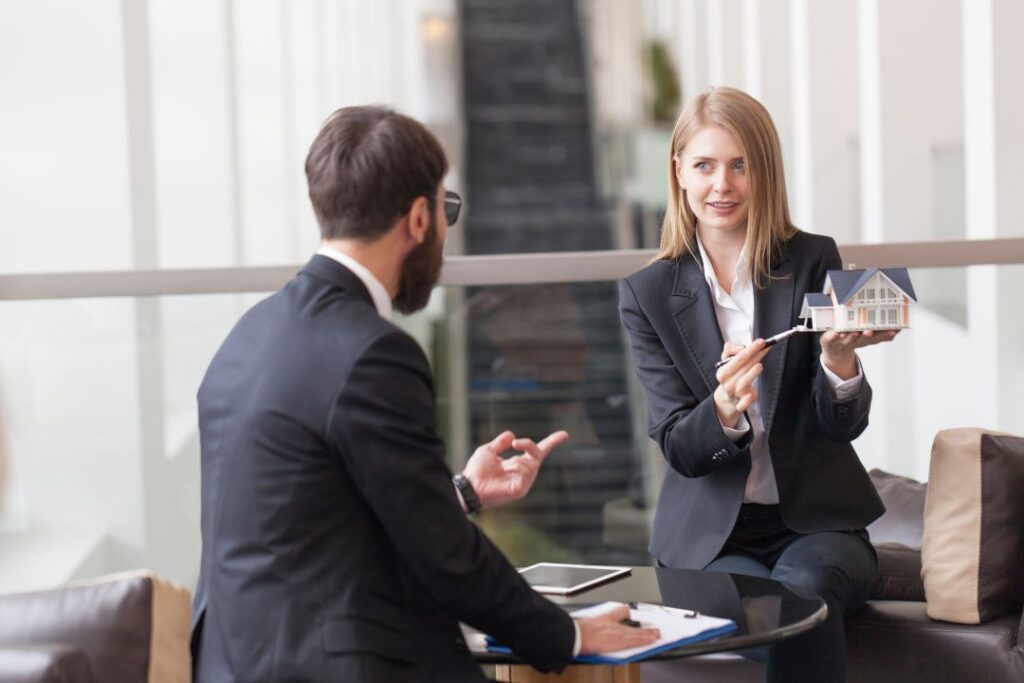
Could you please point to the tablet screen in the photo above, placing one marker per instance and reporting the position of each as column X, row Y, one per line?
column 566, row 579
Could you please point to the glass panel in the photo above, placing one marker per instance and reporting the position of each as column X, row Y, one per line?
column 102, row 443
column 102, row 454
column 537, row 359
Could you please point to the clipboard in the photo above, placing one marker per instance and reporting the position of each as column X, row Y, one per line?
column 678, row 627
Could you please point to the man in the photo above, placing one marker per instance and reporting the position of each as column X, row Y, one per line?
column 335, row 546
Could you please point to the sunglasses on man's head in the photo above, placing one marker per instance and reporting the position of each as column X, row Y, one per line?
column 452, row 206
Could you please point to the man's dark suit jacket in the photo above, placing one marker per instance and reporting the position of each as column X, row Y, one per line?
column 334, row 546
column 668, row 310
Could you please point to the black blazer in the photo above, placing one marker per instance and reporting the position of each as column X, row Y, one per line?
column 334, row 546
column 668, row 310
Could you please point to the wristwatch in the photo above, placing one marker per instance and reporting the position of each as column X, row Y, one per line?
column 468, row 492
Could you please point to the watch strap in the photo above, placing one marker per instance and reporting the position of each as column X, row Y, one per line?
column 468, row 492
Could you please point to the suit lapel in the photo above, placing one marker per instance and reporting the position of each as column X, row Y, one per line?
column 773, row 313
column 694, row 315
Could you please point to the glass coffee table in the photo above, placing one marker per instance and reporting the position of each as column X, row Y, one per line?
column 765, row 612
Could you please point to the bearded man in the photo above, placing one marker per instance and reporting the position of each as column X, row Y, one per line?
column 335, row 540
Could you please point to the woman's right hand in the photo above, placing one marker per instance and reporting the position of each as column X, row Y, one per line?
column 735, row 392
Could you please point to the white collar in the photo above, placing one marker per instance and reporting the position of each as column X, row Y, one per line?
column 378, row 292
column 740, row 275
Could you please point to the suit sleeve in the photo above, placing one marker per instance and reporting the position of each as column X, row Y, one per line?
column 844, row 420
column 382, row 426
column 686, row 428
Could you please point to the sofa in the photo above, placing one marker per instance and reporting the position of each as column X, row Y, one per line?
column 892, row 639
column 124, row 628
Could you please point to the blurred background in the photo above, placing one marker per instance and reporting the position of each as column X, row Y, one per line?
column 151, row 189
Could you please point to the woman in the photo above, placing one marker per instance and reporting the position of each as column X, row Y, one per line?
column 762, row 479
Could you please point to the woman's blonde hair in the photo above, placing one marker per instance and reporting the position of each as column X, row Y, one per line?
column 768, row 222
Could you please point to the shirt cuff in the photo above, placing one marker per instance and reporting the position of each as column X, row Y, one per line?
column 847, row 388
column 462, row 501
column 736, row 433
column 578, row 643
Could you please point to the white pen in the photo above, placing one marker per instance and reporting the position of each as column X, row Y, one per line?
column 771, row 341
column 649, row 607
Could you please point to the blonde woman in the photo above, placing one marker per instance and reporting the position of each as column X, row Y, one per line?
column 762, row 479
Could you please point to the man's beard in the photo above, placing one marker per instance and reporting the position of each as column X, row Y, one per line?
column 420, row 272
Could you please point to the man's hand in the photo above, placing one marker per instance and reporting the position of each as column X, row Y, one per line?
column 498, row 481
column 839, row 349
column 606, row 633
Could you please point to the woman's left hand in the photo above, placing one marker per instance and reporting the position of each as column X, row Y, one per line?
column 839, row 349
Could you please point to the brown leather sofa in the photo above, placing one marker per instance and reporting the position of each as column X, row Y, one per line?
column 892, row 639
column 125, row 628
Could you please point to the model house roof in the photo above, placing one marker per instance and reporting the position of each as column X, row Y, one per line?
column 847, row 283
column 813, row 300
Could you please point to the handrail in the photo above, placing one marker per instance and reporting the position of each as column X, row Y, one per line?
column 506, row 269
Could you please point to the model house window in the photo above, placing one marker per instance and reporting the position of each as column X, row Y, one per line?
column 849, row 316
column 871, row 293
column 871, row 317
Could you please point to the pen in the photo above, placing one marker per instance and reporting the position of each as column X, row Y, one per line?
column 648, row 607
column 630, row 622
column 770, row 341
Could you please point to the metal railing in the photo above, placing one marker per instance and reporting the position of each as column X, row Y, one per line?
column 510, row 269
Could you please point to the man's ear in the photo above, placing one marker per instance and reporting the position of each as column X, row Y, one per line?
column 419, row 220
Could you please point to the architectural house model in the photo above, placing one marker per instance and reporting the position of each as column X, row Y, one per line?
column 864, row 299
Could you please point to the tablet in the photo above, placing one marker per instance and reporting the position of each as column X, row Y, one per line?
column 566, row 579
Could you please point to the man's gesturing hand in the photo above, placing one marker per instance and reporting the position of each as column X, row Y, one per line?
column 498, row 480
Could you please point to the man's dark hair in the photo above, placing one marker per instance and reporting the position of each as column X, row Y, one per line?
column 365, row 169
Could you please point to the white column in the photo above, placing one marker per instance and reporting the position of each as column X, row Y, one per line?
column 768, row 65
column 874, row 447
column 193, row 118
column 870, row 147
column 617, row 54
column 725, row 43
column 752, row 54
column 261, row 131
column 694, row 47
column 993, row 31
column 302, row 43
column 769, row 74
column 824, row 114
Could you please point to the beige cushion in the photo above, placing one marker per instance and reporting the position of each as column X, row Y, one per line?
column 132, row 627
column 973, row 551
